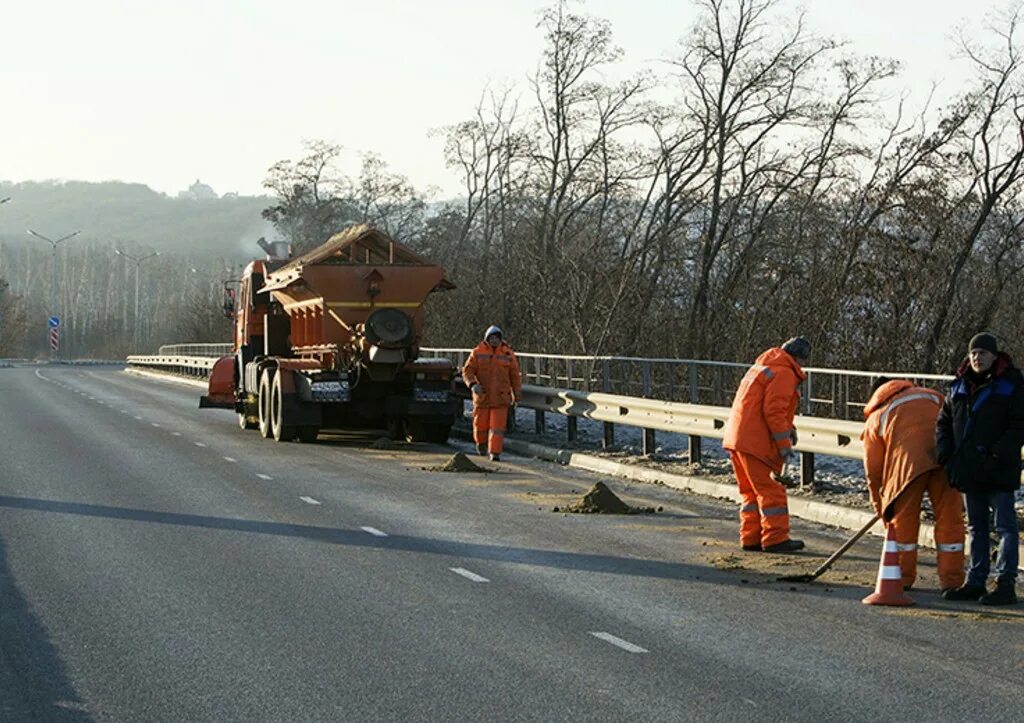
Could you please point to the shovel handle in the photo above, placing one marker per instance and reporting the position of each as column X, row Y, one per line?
column 845, row 546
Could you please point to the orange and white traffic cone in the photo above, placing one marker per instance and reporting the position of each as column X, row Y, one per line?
column 889, row 589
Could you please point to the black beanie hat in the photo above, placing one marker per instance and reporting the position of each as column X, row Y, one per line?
column 798, row 347
column 985, row 341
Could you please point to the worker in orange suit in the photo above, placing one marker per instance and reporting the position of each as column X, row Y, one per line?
column 492, row 374
column 900, row 464
column 759, row 437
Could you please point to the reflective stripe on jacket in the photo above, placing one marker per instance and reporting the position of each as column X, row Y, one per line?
column 899, row 440
column 497, row 371
column 761, row 420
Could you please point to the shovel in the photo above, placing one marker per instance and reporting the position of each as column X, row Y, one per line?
column 811, row 577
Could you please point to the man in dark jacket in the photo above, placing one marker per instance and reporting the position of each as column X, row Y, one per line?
column 978, row 437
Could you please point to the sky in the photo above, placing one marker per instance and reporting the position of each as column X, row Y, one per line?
column 164, row 92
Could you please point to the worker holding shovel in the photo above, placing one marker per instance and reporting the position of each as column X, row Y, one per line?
column 759, row 437
column 900, row 465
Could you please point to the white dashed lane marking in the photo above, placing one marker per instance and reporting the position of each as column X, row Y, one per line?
column 264, row 476
column 468, row 575
column 155, row 424
column 619, row 642
column 374, row 531
column 309, row 501
column 200, row 444
column 230, row 459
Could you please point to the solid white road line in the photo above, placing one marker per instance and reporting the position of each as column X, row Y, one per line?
column 309, row 500
column 374, row 531
column 264, row 476
column 468, row 575
column 619, row 642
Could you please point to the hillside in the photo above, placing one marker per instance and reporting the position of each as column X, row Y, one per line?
column 134, row 214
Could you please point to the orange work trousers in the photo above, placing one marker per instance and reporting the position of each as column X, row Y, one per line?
column 764, row 513
column 489, row 427
column 948, row 506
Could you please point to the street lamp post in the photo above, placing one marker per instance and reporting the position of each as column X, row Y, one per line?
column 53, row 275
column 137, row 260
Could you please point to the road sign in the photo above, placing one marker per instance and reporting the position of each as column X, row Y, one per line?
column 54, row 322
column 54, row 339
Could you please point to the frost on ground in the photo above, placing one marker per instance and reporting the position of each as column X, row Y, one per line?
column 837, row 480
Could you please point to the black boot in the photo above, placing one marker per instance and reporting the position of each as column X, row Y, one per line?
column 786, row 546
column 964, row 592
column 481, row 449
column 1002, row 595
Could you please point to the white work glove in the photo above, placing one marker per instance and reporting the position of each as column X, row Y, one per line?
column 477, row 389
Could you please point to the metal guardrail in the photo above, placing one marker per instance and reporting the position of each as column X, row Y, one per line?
column 214, row 350
column 831, row 393
column 191, row 366
column 818, row 435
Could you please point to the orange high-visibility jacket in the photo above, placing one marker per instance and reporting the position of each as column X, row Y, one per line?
column 899, row 440
column 761, row 420
column 497, row 371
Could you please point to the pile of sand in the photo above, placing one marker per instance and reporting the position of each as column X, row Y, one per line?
column 385, row 443
column 458, row 463
column 602, row 501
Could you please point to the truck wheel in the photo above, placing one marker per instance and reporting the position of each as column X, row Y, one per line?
column 264, row 405
column 308, row 434
column 429, row 432
column 282, row 431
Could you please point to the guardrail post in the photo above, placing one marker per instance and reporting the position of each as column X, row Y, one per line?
column 808, row 393
column 694, row 386
column 807, row 470
column 570, row 428
column 608, row 436
column 538, row 421
column 693, row 447
column 648, row 437
column 568, row 374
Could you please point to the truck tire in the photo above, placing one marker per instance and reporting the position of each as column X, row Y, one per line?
column 279, row 427
column 432, row 432
column 264, row 405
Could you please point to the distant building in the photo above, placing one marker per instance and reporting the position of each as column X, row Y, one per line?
column 198, row 191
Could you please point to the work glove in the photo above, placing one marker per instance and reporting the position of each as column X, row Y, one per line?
column 787, row 455
column 477, row 389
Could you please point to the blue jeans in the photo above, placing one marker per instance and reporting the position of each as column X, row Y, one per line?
column 1008, row 557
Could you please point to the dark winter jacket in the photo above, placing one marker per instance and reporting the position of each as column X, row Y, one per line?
column 980, row 430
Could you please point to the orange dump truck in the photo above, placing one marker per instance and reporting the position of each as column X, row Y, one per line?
column 331, row 340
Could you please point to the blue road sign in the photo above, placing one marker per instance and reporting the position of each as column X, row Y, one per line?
column 54, row 322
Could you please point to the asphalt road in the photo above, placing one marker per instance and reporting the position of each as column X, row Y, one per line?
column 157, row 563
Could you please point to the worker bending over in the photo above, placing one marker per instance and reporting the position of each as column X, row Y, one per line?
column 900, row 464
